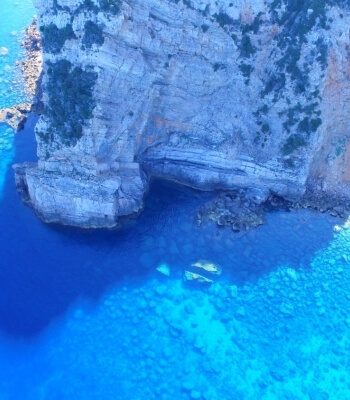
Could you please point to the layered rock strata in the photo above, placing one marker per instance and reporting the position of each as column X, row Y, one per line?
column 214, row 94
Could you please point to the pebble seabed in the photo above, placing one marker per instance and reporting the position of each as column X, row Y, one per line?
column 284, row 337
column 274, row 325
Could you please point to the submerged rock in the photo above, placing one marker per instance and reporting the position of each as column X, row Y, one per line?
column 208, row 266
column 240, row 208
column 164, row 269
column 194, row 277
column 202, row 272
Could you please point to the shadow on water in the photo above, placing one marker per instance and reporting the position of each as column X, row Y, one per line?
column 45, row 269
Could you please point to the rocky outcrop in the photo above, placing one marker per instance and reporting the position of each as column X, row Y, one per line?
column 32, row 64
column 88, row 200
column 214, row 94
column 15, row 116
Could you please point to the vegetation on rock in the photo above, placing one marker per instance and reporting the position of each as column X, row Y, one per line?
column 71, row 102
column 293, row 142
column 93, row 34
column 54, row 38
column 107, row 6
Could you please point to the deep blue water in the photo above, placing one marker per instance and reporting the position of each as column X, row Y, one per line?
column 86, row 314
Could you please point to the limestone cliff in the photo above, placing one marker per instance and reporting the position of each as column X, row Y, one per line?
column 212, row 94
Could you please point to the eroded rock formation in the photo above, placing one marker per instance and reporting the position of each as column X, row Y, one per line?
column 212, row 94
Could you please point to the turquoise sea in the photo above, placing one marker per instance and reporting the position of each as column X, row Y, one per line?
column 86, row 315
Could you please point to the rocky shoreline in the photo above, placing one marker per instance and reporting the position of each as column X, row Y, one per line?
column 32, row 65
column 15, row 116
column 243, row 209
column 31, row 69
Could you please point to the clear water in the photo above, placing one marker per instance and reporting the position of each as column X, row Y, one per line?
column 86, row 315
column 15, row 16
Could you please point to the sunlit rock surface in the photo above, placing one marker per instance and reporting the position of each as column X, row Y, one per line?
column 209, row 94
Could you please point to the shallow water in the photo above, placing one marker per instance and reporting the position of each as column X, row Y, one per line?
column 86, row 315
column 15, row 16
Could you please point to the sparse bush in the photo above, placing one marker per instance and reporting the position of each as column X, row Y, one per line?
column 323, row 52
column 275, row 83
column 265, row 128
column 93, row 34
column 107, row 6
column 54, row 38
column 293, row 143
column 297, row 18
column 70, row 100
column 218, row 66
column 254, row 26
column 112, row 6
column 223, row 19
column 246, row 70
column 246, row 47
column 308, row 125
column 315, row 123
column 188, row 4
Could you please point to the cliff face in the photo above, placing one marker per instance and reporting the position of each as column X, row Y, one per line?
column 212, row 94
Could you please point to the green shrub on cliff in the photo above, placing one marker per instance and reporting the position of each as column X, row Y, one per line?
column 93, row 34
column 246, row 48
column 107, row 6
column 308, row 125
column 254, row 26
column 112, row 6
column 71, row 102
column 223, row 19
column 297, row 18
column 54, row 38
column 294, row 142
column 246, row 70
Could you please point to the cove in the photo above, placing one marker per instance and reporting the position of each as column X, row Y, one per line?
column 86, row 314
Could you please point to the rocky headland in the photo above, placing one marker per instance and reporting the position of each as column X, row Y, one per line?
column 243, row 95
